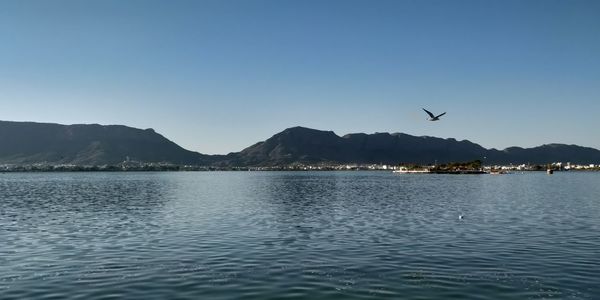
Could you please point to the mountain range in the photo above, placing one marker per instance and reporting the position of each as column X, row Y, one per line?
column 28, row 142
column 93, row 144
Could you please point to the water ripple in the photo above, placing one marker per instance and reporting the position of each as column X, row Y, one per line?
column 348, row 235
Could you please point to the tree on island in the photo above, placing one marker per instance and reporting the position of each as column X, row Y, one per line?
column 453, row 166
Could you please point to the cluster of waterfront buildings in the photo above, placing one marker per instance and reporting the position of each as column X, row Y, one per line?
column 555, row 166
column 125, row 166
column 162, row 166
column 559, row 166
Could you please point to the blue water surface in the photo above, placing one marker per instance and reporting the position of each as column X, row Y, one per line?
column 299, row 235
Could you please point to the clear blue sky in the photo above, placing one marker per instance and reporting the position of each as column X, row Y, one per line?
column 217, row 76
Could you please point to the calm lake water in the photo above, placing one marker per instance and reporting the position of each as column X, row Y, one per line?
column 300, row 235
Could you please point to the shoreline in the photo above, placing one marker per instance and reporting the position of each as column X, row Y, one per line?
column 242, row 169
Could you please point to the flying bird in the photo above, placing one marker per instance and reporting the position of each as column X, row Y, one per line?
column 432, row 117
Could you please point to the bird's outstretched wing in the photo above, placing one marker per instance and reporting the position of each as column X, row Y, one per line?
column 441, row 115
column 429, row 113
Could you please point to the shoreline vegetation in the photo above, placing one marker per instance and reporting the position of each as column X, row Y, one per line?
column 471, row 167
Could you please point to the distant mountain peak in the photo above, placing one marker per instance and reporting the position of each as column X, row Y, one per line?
column 305, row 130
column 306, row 145
column 87, row 144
